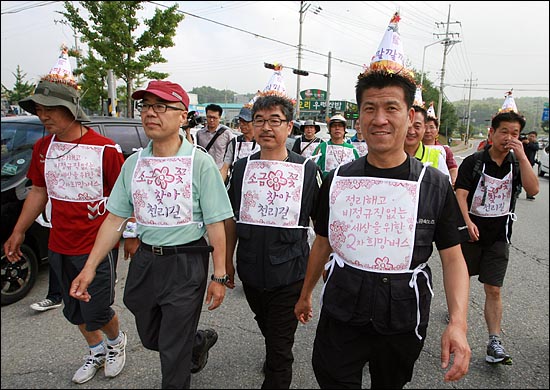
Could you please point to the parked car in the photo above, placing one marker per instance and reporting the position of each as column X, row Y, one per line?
column 543, row 161
column 19, row 133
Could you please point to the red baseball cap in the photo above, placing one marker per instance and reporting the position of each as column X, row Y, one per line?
column 166, row 90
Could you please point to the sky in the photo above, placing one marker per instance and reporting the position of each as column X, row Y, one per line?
column 224, row 44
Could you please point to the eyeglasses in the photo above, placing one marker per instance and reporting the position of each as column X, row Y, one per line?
column 157, row 107
column 273, row 122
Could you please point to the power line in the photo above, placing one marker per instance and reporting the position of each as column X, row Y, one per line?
column 256, row 35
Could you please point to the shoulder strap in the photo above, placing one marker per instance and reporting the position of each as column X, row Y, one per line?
column 218, row 133
column 305, row 147
column 477, row 165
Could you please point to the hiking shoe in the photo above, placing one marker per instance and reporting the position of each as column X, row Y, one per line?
column 116, row 357
column 530, row 197
column 200, row 354
column 45, row 304
column 496, row 353
column 89, row 368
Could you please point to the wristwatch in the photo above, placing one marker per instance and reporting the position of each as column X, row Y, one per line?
column 223, row 280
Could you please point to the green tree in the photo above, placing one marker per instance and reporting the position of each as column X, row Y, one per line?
column 209, row 95
column 21, row 88
column 110, row 32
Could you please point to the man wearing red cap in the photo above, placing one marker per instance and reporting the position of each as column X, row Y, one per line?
column 176, row 194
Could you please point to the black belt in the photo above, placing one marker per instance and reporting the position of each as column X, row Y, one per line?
column 191, row 247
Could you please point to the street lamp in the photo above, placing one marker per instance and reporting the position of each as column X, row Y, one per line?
column 424, row 57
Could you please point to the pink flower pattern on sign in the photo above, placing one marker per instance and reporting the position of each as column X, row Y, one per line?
column 275, row 180
column 162, row 177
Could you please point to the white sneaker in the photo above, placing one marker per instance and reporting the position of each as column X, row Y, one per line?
column 116, row 357
column 45, row 304
column 89, row 368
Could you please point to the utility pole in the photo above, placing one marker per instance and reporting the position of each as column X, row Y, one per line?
column 447, row 42
column 327, row 116
column 467, row 137
column 303, row 9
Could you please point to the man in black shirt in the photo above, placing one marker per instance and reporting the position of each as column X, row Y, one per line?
column 273, row 193
column 378, row 217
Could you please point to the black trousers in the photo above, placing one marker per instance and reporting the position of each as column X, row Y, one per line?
column 340, row 352
column 165, row 294
column 274, row 314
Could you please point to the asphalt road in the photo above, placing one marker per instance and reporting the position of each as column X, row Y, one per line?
column 42, row 350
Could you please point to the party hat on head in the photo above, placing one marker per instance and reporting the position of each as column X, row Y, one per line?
column 418, row 97
column 431, row 111
column 275, row 86
column 62, row 72
column 390, row 58
column 509, row 103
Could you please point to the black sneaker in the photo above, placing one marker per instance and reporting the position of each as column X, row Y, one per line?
column 496, row 353
column 530, row 197
column 200, row 353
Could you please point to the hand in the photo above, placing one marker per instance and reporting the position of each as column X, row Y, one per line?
column 131, row 246
column 473, row 231
column 230, row 268
column 12, row 247
column 454, row 341
column 303, row 310
column 79, row 286
column 214, row 295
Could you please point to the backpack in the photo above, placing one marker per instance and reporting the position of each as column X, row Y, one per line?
column 515, row 174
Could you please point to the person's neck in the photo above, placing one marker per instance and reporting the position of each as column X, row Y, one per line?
column 411, row 149
column 428, row 142
column 167, row 147
column 339, row 141
column 280, row 154
column 73, row 132
column 386, row 160
column 248, row 137
column 497, row 156
column 213, row 129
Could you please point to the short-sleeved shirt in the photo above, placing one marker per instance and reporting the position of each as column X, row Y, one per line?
column 210, row 201
column 236, row 143
column 386, row 300
column 322, row 148
column 270, row 257
column 449, row 156
column 73, row 232
column 494, row 228
column 217, row 150
column 446, row 233
column 297, row 147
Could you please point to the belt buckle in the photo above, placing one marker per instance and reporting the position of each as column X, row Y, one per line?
column 157, row 250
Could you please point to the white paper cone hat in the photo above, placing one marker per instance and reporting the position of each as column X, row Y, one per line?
column 62, row 72
column 509, row 103
column 390, row 57
column 418, row 97
column 275, row 86
column 431, row 111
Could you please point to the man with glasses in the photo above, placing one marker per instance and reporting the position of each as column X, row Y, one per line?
column 214, row 137
column 273, row 193
column 167, row 276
